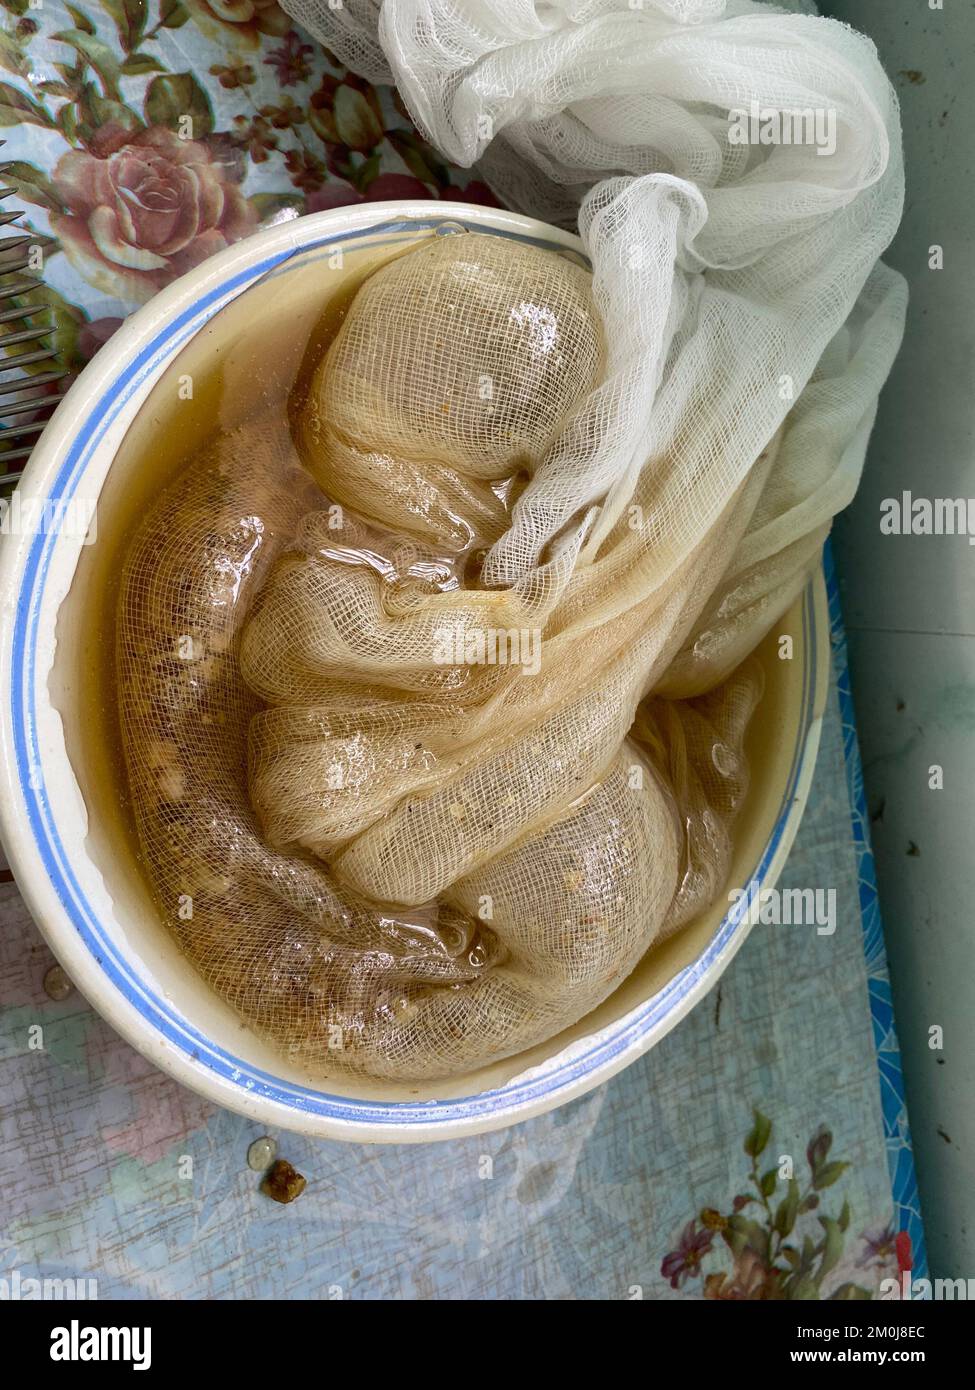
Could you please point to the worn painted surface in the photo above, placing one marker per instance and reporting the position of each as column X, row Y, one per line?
column 909, row 603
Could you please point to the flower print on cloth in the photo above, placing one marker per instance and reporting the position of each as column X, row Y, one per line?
column 145, row 135
column 241, row 21
column 779, row 1240
column 291, row 60
column 139, row 215
column 685, row 1261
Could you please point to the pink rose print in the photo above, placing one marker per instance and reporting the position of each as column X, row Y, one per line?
column 148, row 209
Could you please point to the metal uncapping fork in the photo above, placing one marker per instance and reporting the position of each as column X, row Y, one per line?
column 26, row 398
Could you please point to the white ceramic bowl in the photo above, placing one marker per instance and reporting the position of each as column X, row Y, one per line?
column 89, row 900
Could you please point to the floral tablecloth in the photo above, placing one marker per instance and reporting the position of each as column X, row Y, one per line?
column 143, row 137
column 761, row 1149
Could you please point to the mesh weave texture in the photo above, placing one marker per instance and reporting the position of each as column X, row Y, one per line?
column 436, row 774
column 390, row 856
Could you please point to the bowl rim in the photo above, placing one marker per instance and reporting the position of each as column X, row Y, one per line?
column 131, row 362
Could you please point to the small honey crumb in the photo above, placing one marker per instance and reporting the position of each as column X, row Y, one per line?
column 283, row 1183
column 57, row 986
column 457, row 810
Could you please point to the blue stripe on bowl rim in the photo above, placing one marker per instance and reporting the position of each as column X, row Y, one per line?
column 157, row 1012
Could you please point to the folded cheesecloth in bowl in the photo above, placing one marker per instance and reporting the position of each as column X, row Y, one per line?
column 628, row 467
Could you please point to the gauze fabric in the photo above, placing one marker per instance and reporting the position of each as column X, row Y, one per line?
column 393, row 859
column 731, row 280
column 407, row 863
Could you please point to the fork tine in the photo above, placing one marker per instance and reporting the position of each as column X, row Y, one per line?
column 23, row 312
column 27, row 335
column 11, row 243
column 37, row 403
column 29, row 392
column 21, row 287
column 29, row 383
column 22, row 264
column 18, row 431
column 25, row 359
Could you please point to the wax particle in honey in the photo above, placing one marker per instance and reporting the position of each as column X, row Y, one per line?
column 283, row 1183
